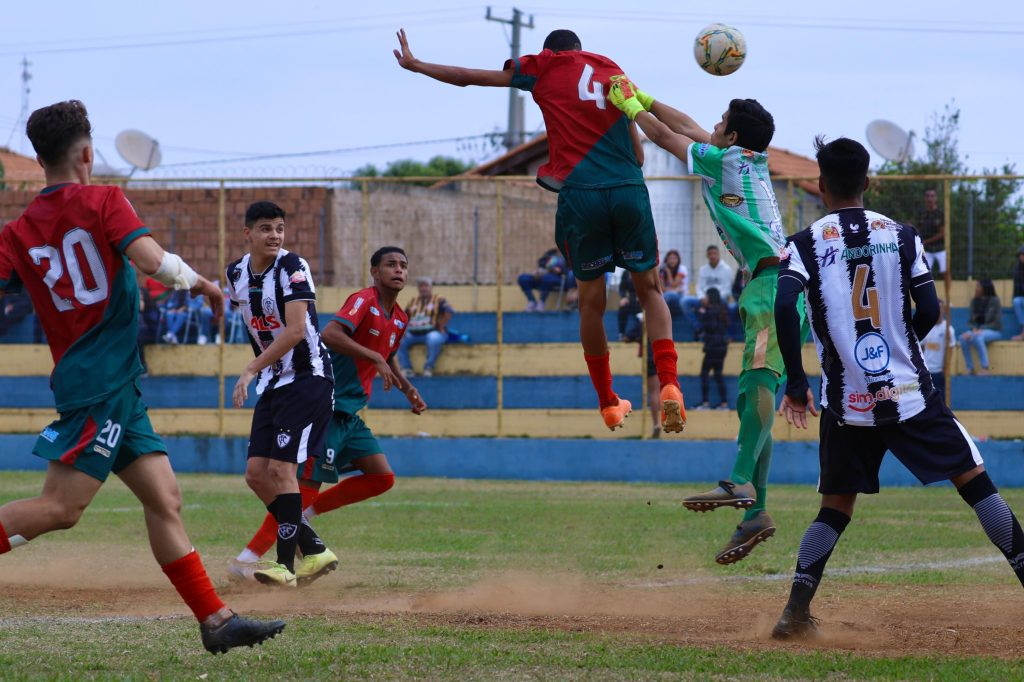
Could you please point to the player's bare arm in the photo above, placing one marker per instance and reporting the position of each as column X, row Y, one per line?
column 337, row 338
column 416, row 403
column 150, row 258
column 678, row 122
column 294, row 332
column 454, row 75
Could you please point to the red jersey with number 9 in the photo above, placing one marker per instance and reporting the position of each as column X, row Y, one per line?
column 589, row 141
column 67, row 249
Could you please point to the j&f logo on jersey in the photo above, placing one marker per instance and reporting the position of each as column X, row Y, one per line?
column 268, row 305
column 51, row 434
column 870, row 250
column 872, row 353
column 830, row 231
column 356, row 306
column 595, row 264
column 730, row 200
column 265, row 323
column 865, row 402
column 286, row 531
column 283, row 439
column 828, row 258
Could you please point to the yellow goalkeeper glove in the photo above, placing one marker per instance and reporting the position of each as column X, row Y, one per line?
column 646, row 101
column 625, row 100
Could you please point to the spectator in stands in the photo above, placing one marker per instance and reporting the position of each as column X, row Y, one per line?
column 673, row 280
column 1018, row 292
column 551, row 275
column 735, row 323
column 934, row 345
column 714, row 330
column 429, row 315
column 629, row 310
column 715, row 274
column 13, row 309
column 931, row 225
column 181, row 310
column 149, row 319
column 986, row 325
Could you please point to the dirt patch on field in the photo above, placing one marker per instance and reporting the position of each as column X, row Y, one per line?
column 875, row 619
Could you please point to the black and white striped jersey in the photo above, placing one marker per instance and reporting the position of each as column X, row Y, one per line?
column 261, row 298
column 858, row 268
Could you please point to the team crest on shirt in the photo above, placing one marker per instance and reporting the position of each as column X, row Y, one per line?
column 283, row 439
column 830, row 231
column 268, row 305
column 730, row 200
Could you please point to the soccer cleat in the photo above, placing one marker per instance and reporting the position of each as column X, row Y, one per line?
column 275, row 575
column 673, row 413
column 727, row 494
column 747, row 536
column 615, row 415
column 314, row 566
column 238, row 631
column 242, row 571
column 796, row 624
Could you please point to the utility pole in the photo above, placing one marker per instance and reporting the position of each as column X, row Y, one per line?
column 514, row 134
column 26, row 76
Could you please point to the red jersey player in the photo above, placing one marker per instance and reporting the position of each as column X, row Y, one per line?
column 363, row 338
column 70, row 249
column 604, row 213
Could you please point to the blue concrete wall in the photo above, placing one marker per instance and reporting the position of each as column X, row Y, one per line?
column 664, row 461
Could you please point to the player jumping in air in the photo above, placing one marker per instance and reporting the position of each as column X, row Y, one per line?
column 70, row 249
column 363, row 338
column 860, row 270
column 733, row 164
column 604, row 216
column 274, row 290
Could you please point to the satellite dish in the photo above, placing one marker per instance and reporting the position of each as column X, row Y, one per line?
column 890, row 141
column 138, row 149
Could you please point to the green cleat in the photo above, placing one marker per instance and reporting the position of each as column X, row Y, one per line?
column 747, row 536
column 314, row 566
column 276, row 575
column 727, row 494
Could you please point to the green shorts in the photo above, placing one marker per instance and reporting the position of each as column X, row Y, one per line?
column 757, row 313
column 101, row 438
column 598, row 229
column 348, row 439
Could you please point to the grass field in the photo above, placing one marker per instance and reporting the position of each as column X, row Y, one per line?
column 449, row 579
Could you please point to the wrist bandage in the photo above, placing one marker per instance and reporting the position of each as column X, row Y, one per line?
column 174, row 272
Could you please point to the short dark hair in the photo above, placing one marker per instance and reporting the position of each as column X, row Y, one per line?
column 843, row 164
column 262, row 210
column 988, row 289
column 53, row 130
column 379, row 254
column 711, row 246
column 753, row 125
column 561, row 40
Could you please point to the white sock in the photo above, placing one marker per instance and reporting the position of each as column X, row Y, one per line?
column 17, row 541
column 248, row 556
column 308, row 512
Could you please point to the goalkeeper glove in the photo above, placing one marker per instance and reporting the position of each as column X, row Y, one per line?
column 624, row 100
column 646, row 101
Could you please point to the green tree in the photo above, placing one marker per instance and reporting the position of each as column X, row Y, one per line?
column 436, row 167
column 3, row 185
column 986, row 216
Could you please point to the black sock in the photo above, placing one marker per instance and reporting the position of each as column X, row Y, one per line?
column 309, row 542
column 997, row 519
column 816, row 547
column 287, row 510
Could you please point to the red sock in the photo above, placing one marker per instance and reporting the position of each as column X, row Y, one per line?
column 600, row 369
column 266, row 536
column 5, row 544
column 189, row 577
column 665, row 360
column 353, row 489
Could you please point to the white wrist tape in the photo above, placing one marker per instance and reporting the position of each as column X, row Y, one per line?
column 174, row 272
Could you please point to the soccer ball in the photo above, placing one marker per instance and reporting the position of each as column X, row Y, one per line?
column 720, row 49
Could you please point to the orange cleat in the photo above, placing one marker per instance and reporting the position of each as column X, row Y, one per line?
column 615, row 415
column 673, row 413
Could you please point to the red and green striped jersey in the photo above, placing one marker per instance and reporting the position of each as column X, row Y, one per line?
column 588, row 139
column 67, row 250
column 371, row 327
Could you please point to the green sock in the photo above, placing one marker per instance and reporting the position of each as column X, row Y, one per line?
column 756, row 405
column 761, row 480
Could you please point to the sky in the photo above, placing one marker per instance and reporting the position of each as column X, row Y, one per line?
column 233, row 79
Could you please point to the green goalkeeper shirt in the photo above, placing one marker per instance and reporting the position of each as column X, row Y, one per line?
column 738, row 192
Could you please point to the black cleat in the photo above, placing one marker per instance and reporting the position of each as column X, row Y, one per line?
column 238, row 631
column 795, row 625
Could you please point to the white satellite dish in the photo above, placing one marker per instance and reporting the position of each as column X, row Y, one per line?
column 138, row 149
column 890, row 141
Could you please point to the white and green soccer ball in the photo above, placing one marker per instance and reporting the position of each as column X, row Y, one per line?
column 720, row 49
